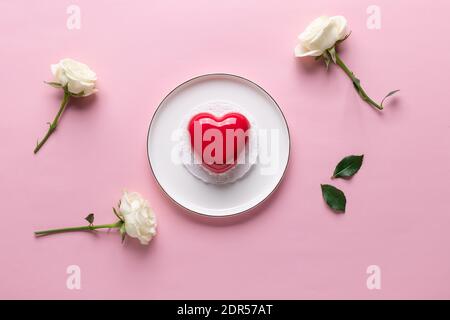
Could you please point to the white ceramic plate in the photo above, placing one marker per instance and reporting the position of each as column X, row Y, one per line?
column 194, row 194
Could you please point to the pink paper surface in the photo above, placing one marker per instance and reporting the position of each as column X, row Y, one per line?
column 293, row 246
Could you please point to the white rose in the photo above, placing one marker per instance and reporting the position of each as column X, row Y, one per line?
column 321, row 35
column 78, row 77
column 140, row 221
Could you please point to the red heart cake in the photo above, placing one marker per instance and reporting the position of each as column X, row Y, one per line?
column 218, row 141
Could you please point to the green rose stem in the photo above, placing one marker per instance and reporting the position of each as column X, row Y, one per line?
column 84, row 228
column 357, row 84
column 54, row 124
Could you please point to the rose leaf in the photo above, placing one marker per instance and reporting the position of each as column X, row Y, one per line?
column 334, row 198
column 348, row 167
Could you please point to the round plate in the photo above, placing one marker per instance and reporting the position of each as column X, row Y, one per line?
column 209, row 199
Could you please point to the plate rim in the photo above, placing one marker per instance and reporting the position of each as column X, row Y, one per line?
column 246, row 211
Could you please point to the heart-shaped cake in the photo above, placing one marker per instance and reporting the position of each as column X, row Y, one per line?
column 218, row 141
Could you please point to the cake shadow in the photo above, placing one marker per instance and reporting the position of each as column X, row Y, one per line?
column 240, row 218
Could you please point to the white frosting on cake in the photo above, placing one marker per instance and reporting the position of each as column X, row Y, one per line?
column 217, row 108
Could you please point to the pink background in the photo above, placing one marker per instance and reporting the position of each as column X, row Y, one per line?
column 291, row 247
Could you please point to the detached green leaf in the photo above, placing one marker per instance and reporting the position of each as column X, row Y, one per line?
column 388, row 95
column 334, row 198
column 348, row 166
column 90, row 218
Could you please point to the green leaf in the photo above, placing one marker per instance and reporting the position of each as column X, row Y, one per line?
column 388, row 95
column 348, row 166
column 334, row 198
column 90, row 218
